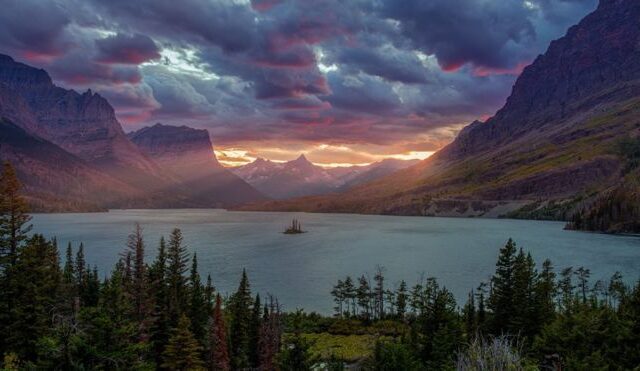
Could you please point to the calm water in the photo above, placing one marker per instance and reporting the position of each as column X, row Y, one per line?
column 301, row 269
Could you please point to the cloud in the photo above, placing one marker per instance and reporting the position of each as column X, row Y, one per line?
column 33, row 29
column 384, row 76
column 126, row 49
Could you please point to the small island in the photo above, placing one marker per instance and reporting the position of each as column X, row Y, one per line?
column 294, row 228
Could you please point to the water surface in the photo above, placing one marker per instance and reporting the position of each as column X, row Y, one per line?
column 301, row 269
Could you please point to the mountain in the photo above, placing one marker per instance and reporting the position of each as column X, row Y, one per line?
column 71, row 153
column 294, row 178
column 553, row 151
column 302, row 178
column 187, row 154
column 84, row 125
column 356, row 175
column 54, row 179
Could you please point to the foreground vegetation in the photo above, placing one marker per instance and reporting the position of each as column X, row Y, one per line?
column 57, row 314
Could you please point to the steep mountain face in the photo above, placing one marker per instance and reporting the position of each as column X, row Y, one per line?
column 550, row 151
column 187, row 154
column 82, row 124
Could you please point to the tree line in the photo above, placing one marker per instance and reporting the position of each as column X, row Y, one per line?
column 59, row 314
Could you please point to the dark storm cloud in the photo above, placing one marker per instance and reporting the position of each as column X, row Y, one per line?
column 463, row 31
column 32, row 28
column 226, row 24
column 127, row 49
column 356, row 71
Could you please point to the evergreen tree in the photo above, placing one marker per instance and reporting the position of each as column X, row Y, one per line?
column 469, row 315
column 270, row 336
column 218, row 358
column 501, row 299
column 37, row 278
column 349, row 293
column 14, row 217
column 137, row 287
column 401, row 300
column 254, row 332
column 183, row 352
column 524, row 302
column 159, row 332
column 295, row 354
column 240, row 312
column 198, row 307
column 378, row 292
column 363, row 294
column 177, row 259
column 583, row 275
column 545, row 292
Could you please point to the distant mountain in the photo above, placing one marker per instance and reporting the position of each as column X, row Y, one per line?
column 187, row 154
column 295, row 178
column 302, row 178
column 552, row 152
column 356, row 175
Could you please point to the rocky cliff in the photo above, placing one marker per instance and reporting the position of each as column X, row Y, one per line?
column 82, row 124
column 187, row 154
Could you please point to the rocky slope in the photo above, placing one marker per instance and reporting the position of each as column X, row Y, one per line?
column 187, row 154
column 54, row 179
column 550, row 151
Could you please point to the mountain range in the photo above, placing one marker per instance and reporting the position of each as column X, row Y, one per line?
column 565, row 145
column 300, row 177
column 72, row 154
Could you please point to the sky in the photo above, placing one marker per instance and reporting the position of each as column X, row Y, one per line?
column 343, row 81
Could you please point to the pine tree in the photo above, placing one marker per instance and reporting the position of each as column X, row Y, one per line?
column 218, row 358
column 583, row 275
column 378, row 292
column 363, row 294
column 270, row 336
column 14, row 217
column 159, row 332
column 401, row 300
column 177, row 259
column 349, row 292
column 198, row 307
column 137, row 290
column 81, row 270
column 545, row 292
column 183, row 352
column 501, row 300
column 295, row 354
column 37, row 278
column 469, row 315
column 254, row 332
column 240, row 311
column 524, row 303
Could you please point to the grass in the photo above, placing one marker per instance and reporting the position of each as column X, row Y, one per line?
column 350, row 348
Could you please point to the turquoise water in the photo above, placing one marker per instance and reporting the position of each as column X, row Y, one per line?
column 301, row 269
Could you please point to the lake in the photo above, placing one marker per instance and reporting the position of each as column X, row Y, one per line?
column 301, row 269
